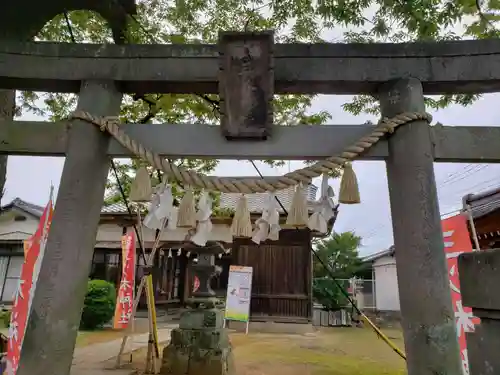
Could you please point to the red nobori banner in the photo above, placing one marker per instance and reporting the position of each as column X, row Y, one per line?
column 457, row 241
column 34, row 248
column 125, row 298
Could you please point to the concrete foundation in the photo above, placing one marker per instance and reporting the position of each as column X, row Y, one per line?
column 384, row 318
column 272, row 327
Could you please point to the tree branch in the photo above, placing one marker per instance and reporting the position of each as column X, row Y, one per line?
column 215, row 103
column 483, row 16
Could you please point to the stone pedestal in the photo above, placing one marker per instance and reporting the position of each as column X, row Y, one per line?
column 200, row 346
column 479, row 280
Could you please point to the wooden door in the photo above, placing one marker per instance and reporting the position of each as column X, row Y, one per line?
column 281, row 284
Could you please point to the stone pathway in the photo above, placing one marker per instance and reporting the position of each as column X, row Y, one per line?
column 90, row 360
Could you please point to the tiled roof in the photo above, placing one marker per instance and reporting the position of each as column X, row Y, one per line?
column 258, row 201
column 115, row 208
column 483, row 203
column 375, row 256
column 35, row 210
column 30, row 208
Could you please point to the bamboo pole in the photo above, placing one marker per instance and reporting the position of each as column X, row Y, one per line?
column 472, row 227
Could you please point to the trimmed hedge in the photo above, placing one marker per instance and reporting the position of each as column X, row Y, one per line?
column 99, row 306
column 5, row 318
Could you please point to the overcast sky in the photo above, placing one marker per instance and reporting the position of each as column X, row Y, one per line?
column 29, row 178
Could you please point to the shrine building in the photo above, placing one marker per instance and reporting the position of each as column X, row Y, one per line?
column 282, row 275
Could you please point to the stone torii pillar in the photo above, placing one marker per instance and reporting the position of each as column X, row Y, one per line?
column 53, row 324
column 427, row 314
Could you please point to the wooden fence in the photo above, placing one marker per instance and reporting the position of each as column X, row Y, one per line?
column 323, row 318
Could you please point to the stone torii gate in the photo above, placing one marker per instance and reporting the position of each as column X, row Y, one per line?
column 397, row 74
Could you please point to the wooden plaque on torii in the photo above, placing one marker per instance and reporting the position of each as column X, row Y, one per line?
column 246, row 84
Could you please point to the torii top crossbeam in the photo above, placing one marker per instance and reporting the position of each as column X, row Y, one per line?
column 471, row 66
column 449, row 67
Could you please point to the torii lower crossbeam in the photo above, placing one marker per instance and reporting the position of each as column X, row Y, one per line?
column 465, row 144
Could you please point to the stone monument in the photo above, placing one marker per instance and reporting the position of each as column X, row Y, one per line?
column 201, row 343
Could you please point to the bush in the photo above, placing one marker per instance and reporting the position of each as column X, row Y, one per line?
column 99, row 305
column 5, row 318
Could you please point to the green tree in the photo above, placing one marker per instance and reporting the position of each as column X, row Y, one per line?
column 197, row 21
column 155, row 20
column 339, row 253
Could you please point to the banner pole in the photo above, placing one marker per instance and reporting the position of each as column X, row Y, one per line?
column 144, row 286
column 128, row 249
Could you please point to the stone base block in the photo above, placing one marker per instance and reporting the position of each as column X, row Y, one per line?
column 201, row 319
column 198, row 352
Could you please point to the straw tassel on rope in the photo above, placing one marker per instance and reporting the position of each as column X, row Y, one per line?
column 141, row 190
column 186, row 217
column 349, row 191
column 298, row 215
column 241, row 225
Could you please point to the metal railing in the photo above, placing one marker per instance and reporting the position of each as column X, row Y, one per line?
column 364, row 292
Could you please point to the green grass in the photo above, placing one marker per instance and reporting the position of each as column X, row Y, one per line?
column 331, row 351
column 343, row 351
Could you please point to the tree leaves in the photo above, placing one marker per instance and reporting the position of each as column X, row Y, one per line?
column 340, row 253
column 199, row 21
column 327, row 292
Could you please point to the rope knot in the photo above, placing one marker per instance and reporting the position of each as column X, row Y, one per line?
column 105, row 122
column 102, row 122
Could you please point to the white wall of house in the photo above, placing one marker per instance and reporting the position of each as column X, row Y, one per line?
column 11, row 229
column 386, row 284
